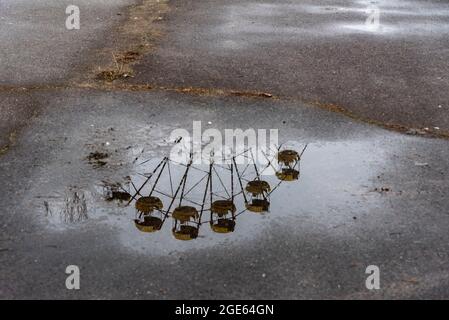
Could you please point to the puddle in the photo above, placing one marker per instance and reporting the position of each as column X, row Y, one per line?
column 199, row 202
column 333, row 186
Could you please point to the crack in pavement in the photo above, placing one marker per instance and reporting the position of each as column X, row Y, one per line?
column 214, row 92
column 136, row 37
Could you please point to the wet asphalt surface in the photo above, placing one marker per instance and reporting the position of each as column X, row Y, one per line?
column 366, row 195
column 37, row 50
column 317, row 51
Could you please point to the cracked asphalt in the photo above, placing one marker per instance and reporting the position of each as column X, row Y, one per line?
column 369, row 194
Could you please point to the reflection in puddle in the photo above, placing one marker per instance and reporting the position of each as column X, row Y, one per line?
column 115, row 191
column 73, row 208
column 335, row 185
column 214, row 194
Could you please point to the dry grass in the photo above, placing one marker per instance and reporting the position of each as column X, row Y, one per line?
column 120, row 71
column 133, row 39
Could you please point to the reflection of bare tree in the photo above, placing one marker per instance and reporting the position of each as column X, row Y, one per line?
column 74, row 208
column 48, row 212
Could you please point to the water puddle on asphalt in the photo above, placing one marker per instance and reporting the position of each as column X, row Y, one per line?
column 165, row 206
column 213, row 194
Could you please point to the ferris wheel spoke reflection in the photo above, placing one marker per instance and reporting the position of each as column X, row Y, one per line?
column 218, row 190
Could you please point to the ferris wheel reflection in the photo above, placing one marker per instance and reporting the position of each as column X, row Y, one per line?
column 221, row 190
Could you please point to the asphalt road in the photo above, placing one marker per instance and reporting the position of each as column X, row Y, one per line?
column 366, row 195
column 37, row 49
column 315, row 51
